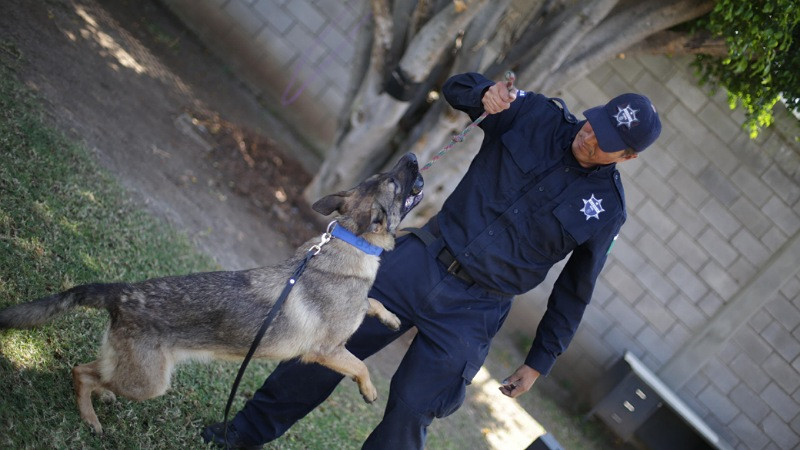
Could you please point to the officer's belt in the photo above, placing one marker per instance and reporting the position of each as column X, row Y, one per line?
column 446, row 256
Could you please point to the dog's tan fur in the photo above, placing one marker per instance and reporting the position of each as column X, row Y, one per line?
column 157, row 323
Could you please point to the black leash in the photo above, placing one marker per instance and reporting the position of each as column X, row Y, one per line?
column 313, row 251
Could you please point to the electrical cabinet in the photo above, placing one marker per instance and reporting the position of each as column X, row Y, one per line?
column 639, row 408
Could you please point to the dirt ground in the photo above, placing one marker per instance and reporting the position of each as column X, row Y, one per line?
column 178, row 131
column 164, row 117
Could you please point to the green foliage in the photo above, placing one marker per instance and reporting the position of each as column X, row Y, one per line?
column 763, row 62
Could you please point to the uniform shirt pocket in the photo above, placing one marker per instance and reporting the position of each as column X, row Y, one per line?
column 517, row 146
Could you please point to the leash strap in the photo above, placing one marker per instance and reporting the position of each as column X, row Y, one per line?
column 267, row 321
column 456, row 139
column 510, row 77
column 425, row 236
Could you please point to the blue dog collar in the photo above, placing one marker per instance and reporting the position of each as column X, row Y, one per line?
column 360, row 243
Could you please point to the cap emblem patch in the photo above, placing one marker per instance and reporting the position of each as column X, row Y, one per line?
column 626, row 116
column 592, row 207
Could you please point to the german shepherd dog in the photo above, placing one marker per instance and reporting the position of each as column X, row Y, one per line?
column 158, row 323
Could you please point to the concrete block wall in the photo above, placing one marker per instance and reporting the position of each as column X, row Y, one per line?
column 708, row 211
column 295, row 54
column 711, row 214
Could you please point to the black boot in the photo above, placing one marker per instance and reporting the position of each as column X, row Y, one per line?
column 215, row 434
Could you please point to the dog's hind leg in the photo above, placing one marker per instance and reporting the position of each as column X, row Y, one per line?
column 347, row 364
column 376, row 309
column 86, row 379
column 135, row 370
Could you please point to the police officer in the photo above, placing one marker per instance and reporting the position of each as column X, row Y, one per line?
column 543, row 186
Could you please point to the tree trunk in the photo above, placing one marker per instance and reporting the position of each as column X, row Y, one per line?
column 375, row 114
column 675, row 43
column 480, row 46
column 624, row 27
column 574, row 25
column 546, row 42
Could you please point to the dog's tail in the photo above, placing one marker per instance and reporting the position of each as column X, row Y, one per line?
column 37, row 312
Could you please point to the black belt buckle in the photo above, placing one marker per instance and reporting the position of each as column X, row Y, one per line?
column 454, row 266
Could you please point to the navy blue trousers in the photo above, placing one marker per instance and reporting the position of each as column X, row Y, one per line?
column 455, row 323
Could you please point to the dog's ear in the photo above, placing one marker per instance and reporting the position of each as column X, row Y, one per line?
column 330, row 203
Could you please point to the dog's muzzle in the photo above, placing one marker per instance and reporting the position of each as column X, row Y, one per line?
column 415, row 196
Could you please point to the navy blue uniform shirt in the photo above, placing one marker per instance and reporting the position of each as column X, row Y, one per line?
column 525, row 203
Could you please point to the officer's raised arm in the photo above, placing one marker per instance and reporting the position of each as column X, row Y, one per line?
column 475, row 94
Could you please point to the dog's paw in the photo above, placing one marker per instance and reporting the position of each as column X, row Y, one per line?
column 96, row 428
column 390, row 320
column 369, row 393
column 107, row 396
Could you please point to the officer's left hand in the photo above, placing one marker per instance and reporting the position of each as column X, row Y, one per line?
column 519, row 382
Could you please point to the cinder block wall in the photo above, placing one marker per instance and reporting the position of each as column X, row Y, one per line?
column 703, row 282
column 295, row 54
column 712, row 214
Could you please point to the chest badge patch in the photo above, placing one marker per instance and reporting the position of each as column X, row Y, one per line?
column 592, row 207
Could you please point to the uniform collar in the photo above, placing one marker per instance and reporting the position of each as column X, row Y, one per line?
column 569, row 160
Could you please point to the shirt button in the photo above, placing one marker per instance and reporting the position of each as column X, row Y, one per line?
column 466, row 254
column 491, row 233
column 516, row 211
column 566, row 169
column 541, row 188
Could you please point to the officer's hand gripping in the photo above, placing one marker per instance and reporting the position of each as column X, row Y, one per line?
column 498, row 98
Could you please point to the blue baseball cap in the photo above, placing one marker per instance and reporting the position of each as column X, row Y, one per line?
column 627, row 121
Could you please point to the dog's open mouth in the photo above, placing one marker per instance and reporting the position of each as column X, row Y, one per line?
column 415, row 196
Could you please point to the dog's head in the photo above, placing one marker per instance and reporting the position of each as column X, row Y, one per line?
column 380, row 202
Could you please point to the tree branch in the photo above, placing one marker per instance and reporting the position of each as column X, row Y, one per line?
column 574, row 25
column 427, row 46
column 677, row 43
column 402, row 11
column 381, row 45
column 474, row 47
column 623, row 28
column 522, row 33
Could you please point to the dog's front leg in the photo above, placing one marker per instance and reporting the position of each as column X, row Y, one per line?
column 347, row 364
column 376, row 309
column 86, row 379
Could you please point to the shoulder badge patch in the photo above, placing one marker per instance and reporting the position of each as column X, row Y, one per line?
column 592, row 207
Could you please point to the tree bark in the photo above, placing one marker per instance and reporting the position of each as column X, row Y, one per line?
column 363, row 148
column 620, row 30
column 479, row 48
column 676, row 43
column 574, row 25
column 547, row 43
